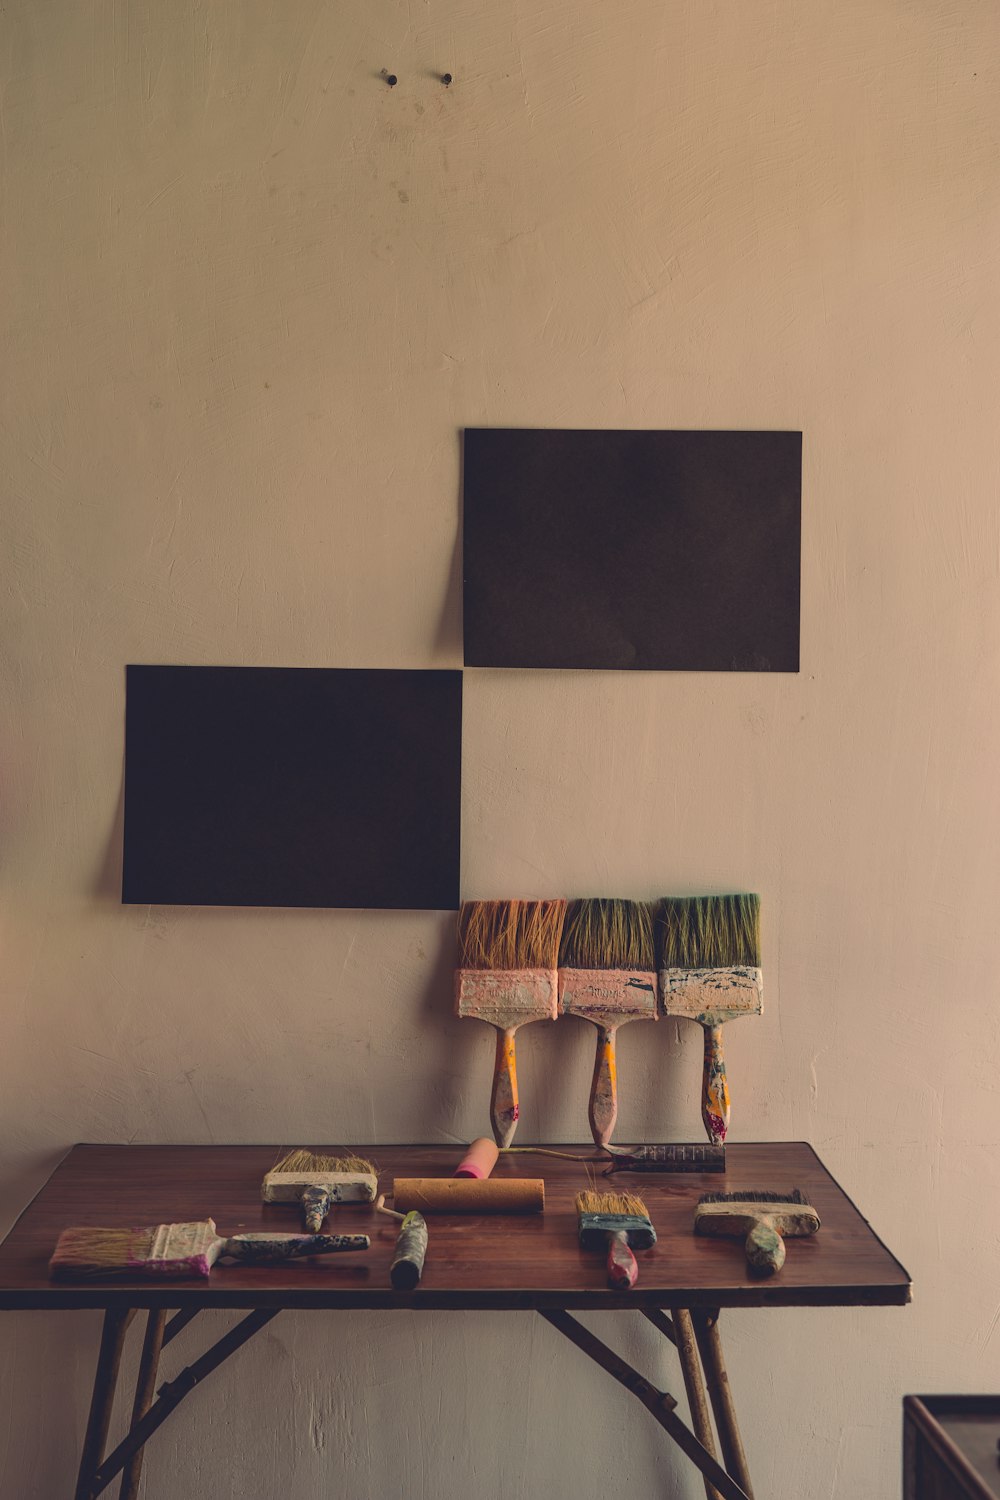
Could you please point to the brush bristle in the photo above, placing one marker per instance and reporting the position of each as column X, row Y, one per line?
column 756, row 1195
column 709, row 932
column 309, row 1161
column 510, row 934
column 602, row 933
column 623, row 1204
column 94, row 1251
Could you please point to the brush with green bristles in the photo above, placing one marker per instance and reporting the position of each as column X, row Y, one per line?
column 710, row 973
column 607, row 975
column 507, row 957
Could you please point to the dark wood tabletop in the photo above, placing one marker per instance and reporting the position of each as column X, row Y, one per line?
column 472, row 1262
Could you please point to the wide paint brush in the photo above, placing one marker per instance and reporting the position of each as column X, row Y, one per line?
column 317, row 1182
column 710, row 973
column 607, row 964
column 508, row 952
column 619, row 1223
column 177, row 1250
column 761, row 1218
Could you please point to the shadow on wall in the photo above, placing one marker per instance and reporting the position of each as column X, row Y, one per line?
column 448, row 638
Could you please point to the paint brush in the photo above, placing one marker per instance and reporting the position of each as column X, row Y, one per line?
column 621, row 1223
column 508, row 953
column 173, row 1250
column 317, row 1182
column 763, row 1219
column 607, row 963
column 710, row 973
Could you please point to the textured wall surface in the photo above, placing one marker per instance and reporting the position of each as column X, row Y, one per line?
column 251, row 295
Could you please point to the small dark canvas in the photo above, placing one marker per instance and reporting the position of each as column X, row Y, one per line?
column 289, row 786
column 669, row 551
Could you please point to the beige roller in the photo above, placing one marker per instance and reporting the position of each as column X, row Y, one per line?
column 456, row 1195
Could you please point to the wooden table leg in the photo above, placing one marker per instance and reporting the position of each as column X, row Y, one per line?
column 680, row 1330
column 706, row 1328
column 145, row 1387
column 116, row 1322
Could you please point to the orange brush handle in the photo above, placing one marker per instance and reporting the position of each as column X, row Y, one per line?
column 623, row 1270
column 503, row 1100
column 603, row 1109
column 715, row 1089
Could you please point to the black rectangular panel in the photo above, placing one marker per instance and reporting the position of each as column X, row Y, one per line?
column 291, row 786
column 670, row 551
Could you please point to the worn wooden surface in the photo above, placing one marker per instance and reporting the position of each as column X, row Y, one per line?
column 530, row 1262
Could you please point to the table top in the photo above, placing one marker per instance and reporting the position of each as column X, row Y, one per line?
column 499, row 1261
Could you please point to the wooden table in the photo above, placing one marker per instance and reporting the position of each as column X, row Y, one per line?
column 537, row 1265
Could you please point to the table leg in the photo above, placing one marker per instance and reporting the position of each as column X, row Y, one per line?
column 116, row 1322
column 660, row 1403
column 680, row 1330
column 145, row 1387
column 706, row 1328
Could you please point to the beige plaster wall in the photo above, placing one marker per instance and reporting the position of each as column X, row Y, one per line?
column 251, row 296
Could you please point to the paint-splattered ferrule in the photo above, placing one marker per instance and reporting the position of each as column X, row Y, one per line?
column 712, row 996
column 608, row 997
column 507, row 997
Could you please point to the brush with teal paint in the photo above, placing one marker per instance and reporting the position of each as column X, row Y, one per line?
column 607, row 975
column 710, row 973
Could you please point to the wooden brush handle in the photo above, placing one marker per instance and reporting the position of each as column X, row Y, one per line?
column 503, row 1101
column 315, row 1207
column 603, row 1110
column 714, row 1088
column 254, row 1248
column 623, row 1270
column 765, row 1249
column 408, row 1257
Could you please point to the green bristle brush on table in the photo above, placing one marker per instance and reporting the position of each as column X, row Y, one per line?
column 710, row 973
column 507, row 955
column 607, row 975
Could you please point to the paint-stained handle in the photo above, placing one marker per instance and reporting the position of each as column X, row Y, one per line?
column 715, row 1089
column 503, row 1102
column 623, row 1270
column 254, row 1248
column 315, row 1207
column 765, row 1249
column 603, row 1110
column 411, row 1248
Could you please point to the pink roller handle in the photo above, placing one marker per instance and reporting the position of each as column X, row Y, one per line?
column 623, row 1270
column 479, row 1160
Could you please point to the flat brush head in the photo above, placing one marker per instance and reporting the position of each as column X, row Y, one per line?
column 606, row 933
column 510, row 934
column 737, row 1213
column 169, row 1250
column 601, row 1214
column 709, row 932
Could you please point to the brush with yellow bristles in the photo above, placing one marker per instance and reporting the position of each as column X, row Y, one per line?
column 621, row 1222
column 317, row 1182
column 607, row 963
column 507, row 957
column 710, row 973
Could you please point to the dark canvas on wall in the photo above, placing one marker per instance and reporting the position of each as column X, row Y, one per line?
column 670, row 551
column 286, row 786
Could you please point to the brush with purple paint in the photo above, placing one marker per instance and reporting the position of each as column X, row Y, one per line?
column 607, row 963
column 177, row 1250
